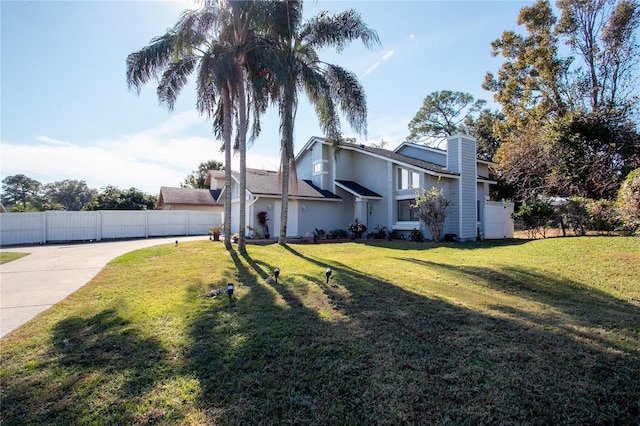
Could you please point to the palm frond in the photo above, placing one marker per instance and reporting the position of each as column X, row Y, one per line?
column 149, row 61
column 348, row 91
column 174, row 79
column 325, row 30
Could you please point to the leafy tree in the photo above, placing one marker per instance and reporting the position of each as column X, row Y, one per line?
column 70, row 195
column 602, row 33
column 432, row 208
column 113, row 198
column 629, row 201
column 442, row 114
column 482, row 128
column 197, row 177
column 20, row 190
column 593, row 153
column 576, row 115
column 572, row 214
column 329, row 87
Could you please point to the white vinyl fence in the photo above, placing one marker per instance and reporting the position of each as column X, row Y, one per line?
column 498, row 223
column 60, row 226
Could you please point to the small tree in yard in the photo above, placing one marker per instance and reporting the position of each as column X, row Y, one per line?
column 536, row 217
column 432, row 210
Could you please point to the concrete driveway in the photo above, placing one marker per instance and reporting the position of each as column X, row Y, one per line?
column 51, row 272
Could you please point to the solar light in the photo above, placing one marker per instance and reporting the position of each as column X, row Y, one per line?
column 230, row 290
column 276, row 272
column 176, row 243
column 328, row 274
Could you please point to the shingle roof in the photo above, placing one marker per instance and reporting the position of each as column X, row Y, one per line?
column 401, row 158
column 267, row 182
column 202, row 197
column 358, row 189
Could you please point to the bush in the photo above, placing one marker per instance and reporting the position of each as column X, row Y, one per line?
column 603, row 216
column 432, row 209
column 338, row 233
column 573, row 214
column 629, row 202
column 536, row 217
column 416, row 235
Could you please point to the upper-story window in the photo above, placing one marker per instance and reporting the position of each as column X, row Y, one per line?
column 317, row 168
column 408, row 179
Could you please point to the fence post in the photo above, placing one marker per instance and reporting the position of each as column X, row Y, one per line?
column 44, row 227
column 98, row 226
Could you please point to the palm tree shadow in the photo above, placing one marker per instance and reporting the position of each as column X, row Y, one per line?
column 572, row 303
column 392, row 356
column 107, row 344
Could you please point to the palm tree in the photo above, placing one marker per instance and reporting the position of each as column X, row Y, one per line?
column 212, row 42
column 329, row 87
column 192, row 46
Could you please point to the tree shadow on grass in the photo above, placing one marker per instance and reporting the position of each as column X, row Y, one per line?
column 102, row 359
column 574, row 306
column 427, row 245
column 390, row 356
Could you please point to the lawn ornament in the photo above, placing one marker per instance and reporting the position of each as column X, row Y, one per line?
column 328, row 274
column 276, row 272
column 230, row 290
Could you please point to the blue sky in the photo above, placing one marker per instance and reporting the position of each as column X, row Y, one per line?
column 66, row 111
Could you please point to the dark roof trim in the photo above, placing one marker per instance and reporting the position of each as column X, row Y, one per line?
column 357, row 189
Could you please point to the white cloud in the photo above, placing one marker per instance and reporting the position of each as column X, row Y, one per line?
column 160, row 156
column 387, row 55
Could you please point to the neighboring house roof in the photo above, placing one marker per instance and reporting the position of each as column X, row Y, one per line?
column 213, row 174
column 399, row 158
column 357, row 189
column 267, row 183
column 202, row 197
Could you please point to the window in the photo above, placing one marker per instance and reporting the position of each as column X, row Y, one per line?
column 317, row 168
column 407, row 179
column 406, row 213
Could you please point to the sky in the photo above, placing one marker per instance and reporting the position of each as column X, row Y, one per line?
column 66, row 111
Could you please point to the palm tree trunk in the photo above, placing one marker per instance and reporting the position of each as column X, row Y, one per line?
column 285, row 159
column 284, row 213
column 242, row 141
column 226, row 132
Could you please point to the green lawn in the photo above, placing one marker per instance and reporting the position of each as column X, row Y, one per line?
column 517, row 332
column 8, row 256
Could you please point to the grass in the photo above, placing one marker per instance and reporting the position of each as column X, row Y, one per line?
column 513, row 332
column 10, row 256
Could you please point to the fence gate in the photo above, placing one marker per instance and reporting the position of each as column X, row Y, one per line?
column 498, row 223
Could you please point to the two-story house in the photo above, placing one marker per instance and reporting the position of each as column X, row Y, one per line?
column 378, row 186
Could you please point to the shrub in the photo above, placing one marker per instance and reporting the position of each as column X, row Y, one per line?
column 416, row 235
column 536, row 217
column 603, row 215
column 629, row 201
column 339, row 233
column 357, row 228
column 432, row 210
